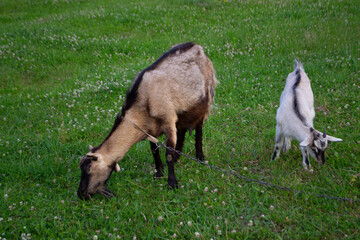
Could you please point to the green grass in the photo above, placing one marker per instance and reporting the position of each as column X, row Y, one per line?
column 66, row 66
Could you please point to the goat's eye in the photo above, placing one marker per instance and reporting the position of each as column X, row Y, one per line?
column 88, row 168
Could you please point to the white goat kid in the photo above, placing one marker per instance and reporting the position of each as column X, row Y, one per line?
column 294, row 119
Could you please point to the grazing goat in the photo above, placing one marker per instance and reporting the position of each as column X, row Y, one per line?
column 171, row 96
column 295, row 116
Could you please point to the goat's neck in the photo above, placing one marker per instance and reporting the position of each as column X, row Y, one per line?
column 304, row 131
column 121, row 140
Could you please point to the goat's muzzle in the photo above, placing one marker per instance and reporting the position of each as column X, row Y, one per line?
column 83, row 194
column 321, row 156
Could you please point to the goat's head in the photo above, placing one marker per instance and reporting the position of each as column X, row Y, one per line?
column 95, row 172
column 317, row 143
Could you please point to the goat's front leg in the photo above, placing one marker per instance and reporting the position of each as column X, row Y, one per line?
column 180, row 142
column 170, row 133
column 158, row 163
column 305, row 154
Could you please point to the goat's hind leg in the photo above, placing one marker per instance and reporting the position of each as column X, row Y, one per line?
column 158, row 163
column 279, row 142
column 198, row 142
column 287, row 144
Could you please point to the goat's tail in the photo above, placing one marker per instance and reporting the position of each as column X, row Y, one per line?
column 298, row 65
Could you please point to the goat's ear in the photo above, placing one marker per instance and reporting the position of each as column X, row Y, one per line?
column 333, row 139
column 314, row 133
column 92, row 156
column 90, row 147
column 117, row 167
column 308, row 141
column 82, row 160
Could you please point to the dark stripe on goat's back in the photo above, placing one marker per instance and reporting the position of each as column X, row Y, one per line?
column 133, row 91
column 296, row 102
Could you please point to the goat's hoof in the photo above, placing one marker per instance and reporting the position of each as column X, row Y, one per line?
column 275, row 156
column 173, row 185
column 200, row 157
column 158, row 174
column 308, row 169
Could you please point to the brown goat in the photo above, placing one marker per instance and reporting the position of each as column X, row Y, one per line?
column 171, row 96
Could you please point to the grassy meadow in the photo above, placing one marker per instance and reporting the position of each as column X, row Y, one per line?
column 66, row 66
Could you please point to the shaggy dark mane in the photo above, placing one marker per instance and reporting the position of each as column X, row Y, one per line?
column 131, row 95
column 296, row 102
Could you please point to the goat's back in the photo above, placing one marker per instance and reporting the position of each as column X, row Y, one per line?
column 297, row 100
column 179, row 83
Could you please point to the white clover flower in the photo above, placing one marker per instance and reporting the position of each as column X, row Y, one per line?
column 189, row 223
column 271, row 207
column 250, row 223
column 219, row 232
column 245, row 168
column 95, row 237
column 160, row 218
column 197, row 235
column 206, row 189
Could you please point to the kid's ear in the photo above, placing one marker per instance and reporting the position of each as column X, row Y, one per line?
column 333, row 139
